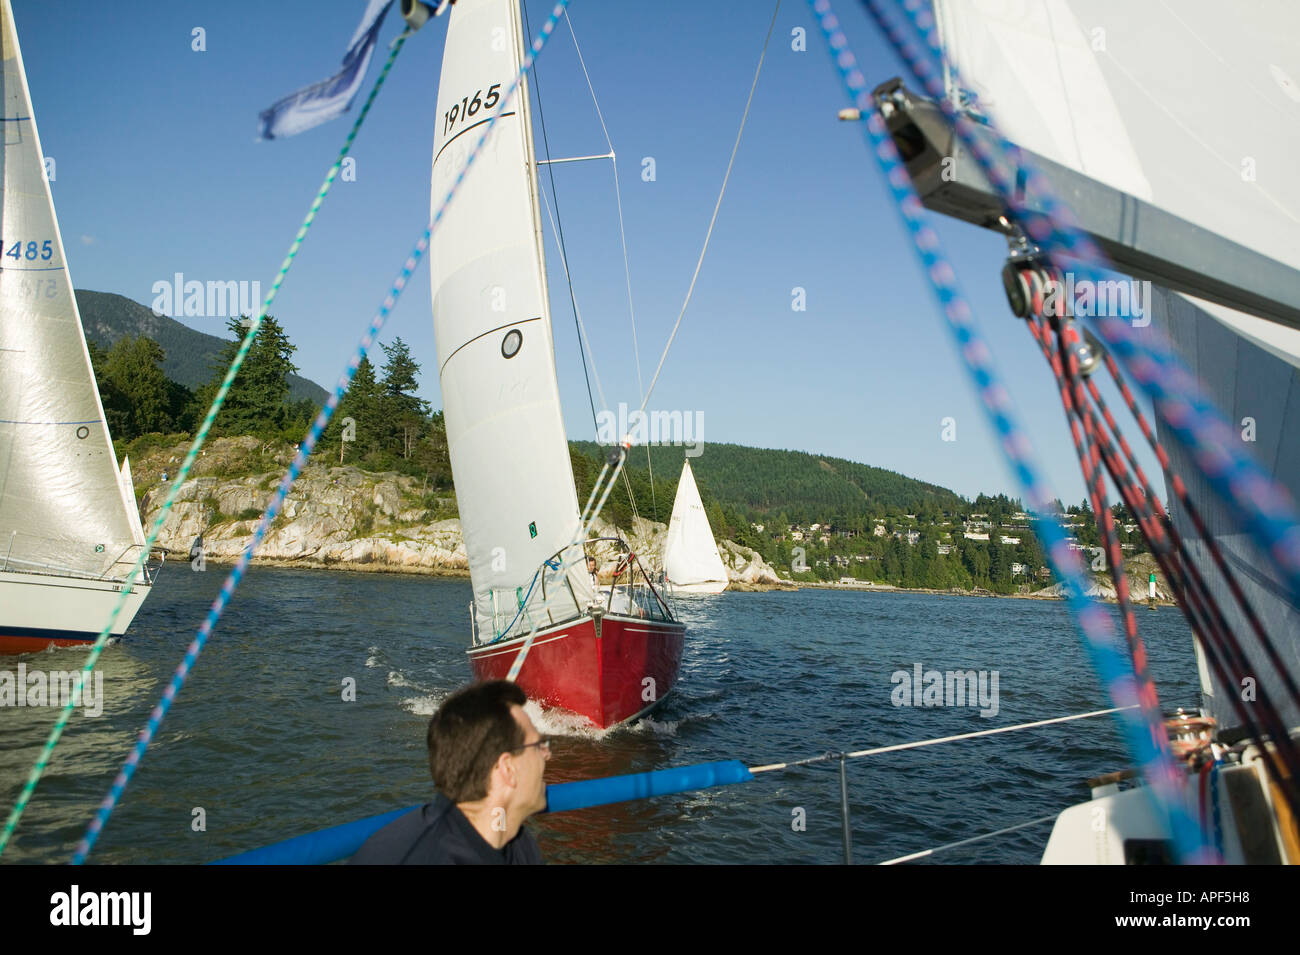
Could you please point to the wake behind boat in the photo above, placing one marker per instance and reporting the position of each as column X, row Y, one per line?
column 68, row 519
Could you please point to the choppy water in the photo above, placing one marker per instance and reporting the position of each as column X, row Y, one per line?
column 261, row 740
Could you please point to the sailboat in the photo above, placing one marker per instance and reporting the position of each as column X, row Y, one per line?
column 69, row 527
column 537, row 614
column 1171, row 132
column 692, row 563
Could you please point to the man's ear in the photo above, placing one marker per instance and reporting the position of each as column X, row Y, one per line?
column 505, row 765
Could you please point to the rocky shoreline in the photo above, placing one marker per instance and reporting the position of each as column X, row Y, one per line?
column 342, row 518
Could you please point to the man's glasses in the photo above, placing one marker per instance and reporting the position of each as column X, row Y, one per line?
column 544, row 744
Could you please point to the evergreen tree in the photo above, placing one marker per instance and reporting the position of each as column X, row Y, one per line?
column 135, row 367
column 363, row 403
column 115, row 410
column 255, row 403
column 405, row 414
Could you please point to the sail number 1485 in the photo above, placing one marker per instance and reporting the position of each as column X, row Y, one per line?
column 30, row 250
column 469, row 106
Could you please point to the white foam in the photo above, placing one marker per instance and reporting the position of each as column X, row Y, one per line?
column 562, row 723
column 649, row 727
column 395, row 678
column 423, row 705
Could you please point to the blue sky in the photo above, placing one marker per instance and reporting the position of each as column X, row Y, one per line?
column 157, row 172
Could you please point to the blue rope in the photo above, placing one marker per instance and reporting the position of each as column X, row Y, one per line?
column 1145, row 733
column 34, row 777
column 1259, row 503
column 97, row 823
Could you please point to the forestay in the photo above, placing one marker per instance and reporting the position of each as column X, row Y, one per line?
column 505, row 430
column 63, row 507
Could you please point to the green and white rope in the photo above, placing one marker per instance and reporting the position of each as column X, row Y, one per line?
column 38, row 769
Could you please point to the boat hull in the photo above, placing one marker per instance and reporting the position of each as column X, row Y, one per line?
column 38, row 611
column 608, row 673
column 700, row 587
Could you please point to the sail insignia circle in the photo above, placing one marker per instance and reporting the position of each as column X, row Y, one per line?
column 511, row 344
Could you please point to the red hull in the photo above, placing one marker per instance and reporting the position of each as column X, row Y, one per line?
column 14, row 644
column 608, row 679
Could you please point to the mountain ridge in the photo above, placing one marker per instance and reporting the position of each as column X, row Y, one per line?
column 191, row 354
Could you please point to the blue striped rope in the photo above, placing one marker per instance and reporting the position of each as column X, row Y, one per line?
column 1146, row 737
column 1259, row 503
column 97, row 823
column 56, row 732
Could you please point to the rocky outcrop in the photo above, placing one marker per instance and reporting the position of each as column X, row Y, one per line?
column 345, row 518
column 1137, row 571
column 746, row 569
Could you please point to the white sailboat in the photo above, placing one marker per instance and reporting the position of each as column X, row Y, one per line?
column 1172, row 130
column 536, row 610
column 69, row 528
column 692, row 563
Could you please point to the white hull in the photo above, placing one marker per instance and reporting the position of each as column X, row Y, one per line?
column 37, row 610
column 701, row 587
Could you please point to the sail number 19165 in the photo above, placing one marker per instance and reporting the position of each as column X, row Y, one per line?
column 469, row 106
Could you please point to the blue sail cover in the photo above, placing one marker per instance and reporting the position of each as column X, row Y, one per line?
column 323, row 101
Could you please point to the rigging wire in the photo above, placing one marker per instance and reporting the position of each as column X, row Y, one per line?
column 300, row 459
column 718, row 205
column 622, row 235
column 1175, row 483
column 1202, row 610
column 577, row 316
column 912, row 857
column 1145, row 735
column 617, row 457
column 182, row 474
column 1263, row 506
column 558, row 226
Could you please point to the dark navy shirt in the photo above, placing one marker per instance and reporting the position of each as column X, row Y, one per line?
column 439, row 834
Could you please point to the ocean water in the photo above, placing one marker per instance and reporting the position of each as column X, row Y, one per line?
column 261, row 744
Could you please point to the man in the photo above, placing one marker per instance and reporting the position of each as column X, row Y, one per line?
column 487, row 761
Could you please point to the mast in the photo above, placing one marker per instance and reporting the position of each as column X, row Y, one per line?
column 530, row 162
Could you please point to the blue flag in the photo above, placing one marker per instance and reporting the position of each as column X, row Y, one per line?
column 323, row 101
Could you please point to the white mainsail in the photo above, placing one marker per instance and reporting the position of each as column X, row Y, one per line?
column 1198, row 113
column 62, row 501
column 501, row 402
column 691, row 559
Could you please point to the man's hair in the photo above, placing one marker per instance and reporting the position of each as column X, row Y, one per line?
column 467, row 735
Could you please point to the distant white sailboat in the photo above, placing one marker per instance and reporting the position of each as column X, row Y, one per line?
column 69, row 528
column 692, row 563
